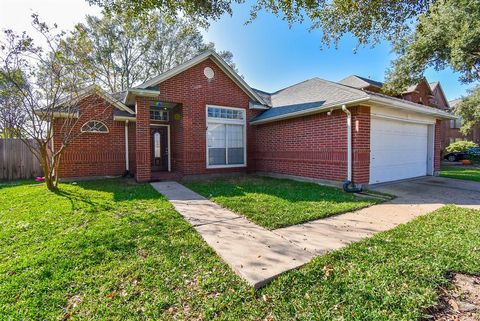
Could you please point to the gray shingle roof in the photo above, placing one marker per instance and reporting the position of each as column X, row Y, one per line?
column 359, row 82
column 312, row 93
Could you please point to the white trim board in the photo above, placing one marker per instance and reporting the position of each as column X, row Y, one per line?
column 242, row 122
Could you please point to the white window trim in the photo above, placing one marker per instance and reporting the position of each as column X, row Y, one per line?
column 163, row 111
column 94, row 132
column 227, row 121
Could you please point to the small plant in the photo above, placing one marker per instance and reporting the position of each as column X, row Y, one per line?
column 460, row 146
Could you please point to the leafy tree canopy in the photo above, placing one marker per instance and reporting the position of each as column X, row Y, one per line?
column 448, row 35
column 469, row 110
column 424, row 33
column 125, row 50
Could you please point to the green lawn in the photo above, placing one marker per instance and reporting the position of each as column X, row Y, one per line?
column 275, row 203
column 460, row 172
column 116, row 250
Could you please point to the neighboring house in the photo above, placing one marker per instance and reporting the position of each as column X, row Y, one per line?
column 202, row 118
column 452, row 131
column 423, row 93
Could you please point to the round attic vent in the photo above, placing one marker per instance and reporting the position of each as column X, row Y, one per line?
column 208, row 72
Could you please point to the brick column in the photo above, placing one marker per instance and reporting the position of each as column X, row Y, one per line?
column 437, row 147
column 143, row 165
column 361, row 144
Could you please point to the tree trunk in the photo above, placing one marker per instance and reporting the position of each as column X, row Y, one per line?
column 47, row 170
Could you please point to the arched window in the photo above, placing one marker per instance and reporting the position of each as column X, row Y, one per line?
column 94, row 126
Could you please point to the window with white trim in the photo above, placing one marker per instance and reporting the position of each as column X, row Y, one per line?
column 158, row 114
column 226, row 137
column 94, row 126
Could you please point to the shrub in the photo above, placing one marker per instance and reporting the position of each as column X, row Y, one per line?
column 460, row 146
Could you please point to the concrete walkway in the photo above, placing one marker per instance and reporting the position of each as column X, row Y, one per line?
column 255, row 253
column 259, row 255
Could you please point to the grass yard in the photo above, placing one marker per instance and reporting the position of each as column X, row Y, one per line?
column 459, row 172
column 275, row 203
column 113, row 250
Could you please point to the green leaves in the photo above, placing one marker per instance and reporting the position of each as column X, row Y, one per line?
column 469, row 110
column 448, row 35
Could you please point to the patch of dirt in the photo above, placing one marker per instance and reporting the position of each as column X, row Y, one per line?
column 461, row 302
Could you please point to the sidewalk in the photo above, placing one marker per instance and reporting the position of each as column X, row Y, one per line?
column 256, row 254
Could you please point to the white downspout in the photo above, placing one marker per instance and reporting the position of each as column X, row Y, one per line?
column 349, row 142
column 126, row 146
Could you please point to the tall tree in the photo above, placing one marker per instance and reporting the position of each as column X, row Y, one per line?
column 125, row 50
column 447, row 35
column 45, row 83
column 424, row 33
column 469, row 110
column 11, row 112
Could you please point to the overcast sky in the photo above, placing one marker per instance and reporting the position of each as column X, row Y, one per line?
column 267, row 53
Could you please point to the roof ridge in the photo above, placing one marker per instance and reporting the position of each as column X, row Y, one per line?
column 342, row 86
column 292, row 85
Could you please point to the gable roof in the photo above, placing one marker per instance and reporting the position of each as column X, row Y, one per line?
column 434, row 86
column 209, row 54
column 414, row 88
column 84, row 93
column 360, row 82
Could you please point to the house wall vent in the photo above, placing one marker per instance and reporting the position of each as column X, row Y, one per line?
column 208, row 72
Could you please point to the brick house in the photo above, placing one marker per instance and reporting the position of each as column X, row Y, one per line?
column 201, row 118
column 452, row 129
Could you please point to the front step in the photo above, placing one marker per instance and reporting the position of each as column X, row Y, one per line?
column 165, row 176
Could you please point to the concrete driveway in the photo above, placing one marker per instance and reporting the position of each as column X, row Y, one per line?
column 433, row 190
column 413, row 198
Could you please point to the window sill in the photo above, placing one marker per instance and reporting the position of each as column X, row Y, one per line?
column 226, row 166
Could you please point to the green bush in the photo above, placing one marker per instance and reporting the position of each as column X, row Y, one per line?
column 460, row 146
column 474, row 158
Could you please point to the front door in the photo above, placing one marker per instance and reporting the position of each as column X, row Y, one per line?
column 159, row 151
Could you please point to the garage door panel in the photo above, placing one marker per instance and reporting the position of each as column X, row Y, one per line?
column 398, row 150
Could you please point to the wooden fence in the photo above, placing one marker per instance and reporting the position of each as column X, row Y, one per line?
column 17, row 161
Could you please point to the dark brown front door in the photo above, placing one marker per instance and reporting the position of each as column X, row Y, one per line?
column 159, row 150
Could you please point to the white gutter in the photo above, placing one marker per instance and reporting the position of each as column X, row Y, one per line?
column 126, row 146
column 124, row 118
column 349, row 142
column 422, row 109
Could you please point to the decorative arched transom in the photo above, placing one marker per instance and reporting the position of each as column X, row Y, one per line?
column 94, row 126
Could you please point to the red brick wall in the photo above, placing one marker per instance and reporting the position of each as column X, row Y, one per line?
column 421, row 96
column 193, row 91
column 92, row 154
column 361, row 144
column 315, row 146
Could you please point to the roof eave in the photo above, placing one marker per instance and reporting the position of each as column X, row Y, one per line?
column 134, row 92
column 409, row 107
column 124, row 118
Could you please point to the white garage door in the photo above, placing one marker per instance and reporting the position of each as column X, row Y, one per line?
column 398, row 150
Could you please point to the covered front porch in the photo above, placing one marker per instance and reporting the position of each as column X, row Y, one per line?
column 158, row 137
